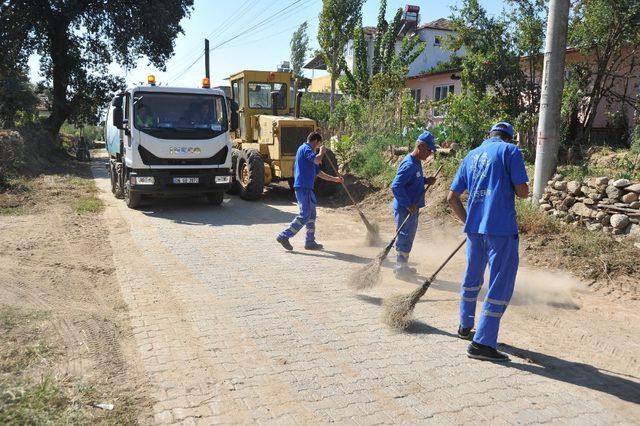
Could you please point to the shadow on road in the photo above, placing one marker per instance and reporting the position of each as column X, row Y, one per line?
column 575, row 373
column 330, row 254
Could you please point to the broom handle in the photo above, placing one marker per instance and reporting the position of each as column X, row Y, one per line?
column 409, row 215
column 433, row 277
column 347, row 191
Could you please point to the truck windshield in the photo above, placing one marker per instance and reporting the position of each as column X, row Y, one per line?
column 179, row 115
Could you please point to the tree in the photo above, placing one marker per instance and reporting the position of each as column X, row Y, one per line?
column 607, row 33
column 299, row 48
column 77, row 40
column 337, row 20
column 17, row 96
column 357, row 83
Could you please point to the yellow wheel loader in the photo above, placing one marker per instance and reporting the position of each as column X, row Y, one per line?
column 266, row 129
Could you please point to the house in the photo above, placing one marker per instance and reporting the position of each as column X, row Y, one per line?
column 433, row 34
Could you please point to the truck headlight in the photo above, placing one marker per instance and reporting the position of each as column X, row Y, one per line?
column 144, row 180
column 223, row 179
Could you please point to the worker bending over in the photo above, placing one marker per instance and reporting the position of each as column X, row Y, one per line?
column 492, row 174
column 408, row 198
column 307, row 167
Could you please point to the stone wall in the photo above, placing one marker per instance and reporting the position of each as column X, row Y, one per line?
column 599, row 203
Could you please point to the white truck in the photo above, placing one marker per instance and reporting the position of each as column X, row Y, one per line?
column 168, row 141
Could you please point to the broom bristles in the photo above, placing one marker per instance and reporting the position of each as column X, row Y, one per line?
column 373, row 234
column 367, row 276
column 398, row 309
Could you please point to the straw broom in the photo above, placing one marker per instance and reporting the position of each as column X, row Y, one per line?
column 369, row 275
column 398, row 309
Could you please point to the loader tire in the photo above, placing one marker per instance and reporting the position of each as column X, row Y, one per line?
column 235, row 184
column 251, row 174
column 324, row 188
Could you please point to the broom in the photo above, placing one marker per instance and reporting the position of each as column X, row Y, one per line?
column 369, row 275
column 398, row 308
column 373, row 235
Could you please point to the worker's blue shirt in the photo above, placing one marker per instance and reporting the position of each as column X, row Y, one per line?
column 489, row 173
column 408, row 185
column 305, row 170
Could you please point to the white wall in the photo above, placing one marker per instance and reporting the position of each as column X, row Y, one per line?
column 432, row 54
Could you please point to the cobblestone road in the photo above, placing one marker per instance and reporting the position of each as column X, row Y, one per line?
column 230, row 328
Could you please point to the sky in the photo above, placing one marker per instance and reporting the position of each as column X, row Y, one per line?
column 226, row 23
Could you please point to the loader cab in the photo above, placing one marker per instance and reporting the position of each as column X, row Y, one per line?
column 254, row 92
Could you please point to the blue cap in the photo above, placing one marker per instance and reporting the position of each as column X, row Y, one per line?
column 503, row 127
column 427, row 139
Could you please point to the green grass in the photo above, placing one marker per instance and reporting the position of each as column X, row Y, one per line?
column 87, row 204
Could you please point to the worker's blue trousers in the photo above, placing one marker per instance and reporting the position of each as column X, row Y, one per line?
column 501, row 252
column 307, row 216
column 404, row 242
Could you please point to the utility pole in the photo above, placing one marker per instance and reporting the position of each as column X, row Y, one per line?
column 551, row 97
column 206, row 58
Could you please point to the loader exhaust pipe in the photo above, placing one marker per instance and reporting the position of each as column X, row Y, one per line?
column 274, row 102
column 298, row 101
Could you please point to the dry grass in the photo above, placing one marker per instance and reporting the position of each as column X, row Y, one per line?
column 398, row 309
column 367, row 276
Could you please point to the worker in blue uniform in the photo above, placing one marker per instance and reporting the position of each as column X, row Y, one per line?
column 408, row 198
column 493, row 174
column 306, row 168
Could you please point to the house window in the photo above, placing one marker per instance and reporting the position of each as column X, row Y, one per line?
column 437, row 40
column 416, row 94
column 441, row 92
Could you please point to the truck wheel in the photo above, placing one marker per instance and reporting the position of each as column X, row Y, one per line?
column 132, row 200
column 112, row 178
column 215, row 198
column 251, row 174
column 235, row 185
column 322, row 187
column 117, row 168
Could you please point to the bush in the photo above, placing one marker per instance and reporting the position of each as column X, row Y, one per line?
column 315, row 109
column 467, row 118
column 11, row 152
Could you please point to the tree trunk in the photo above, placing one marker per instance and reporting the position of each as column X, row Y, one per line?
column 60, row 108
column 332, row 94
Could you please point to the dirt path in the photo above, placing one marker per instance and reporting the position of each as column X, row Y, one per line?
column 231, row 328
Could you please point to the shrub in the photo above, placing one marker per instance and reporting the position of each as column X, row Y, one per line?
column 11, row 152
column 316, row 109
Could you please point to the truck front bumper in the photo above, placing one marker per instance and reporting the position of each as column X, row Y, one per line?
column 165, row 181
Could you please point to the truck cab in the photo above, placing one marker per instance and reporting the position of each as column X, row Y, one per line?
column 168, row 141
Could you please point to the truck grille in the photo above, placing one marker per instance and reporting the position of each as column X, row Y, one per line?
column 292, row 137
column 151, row 160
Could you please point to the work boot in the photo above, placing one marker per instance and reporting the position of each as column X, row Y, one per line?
column 465, row 333
column 284, row 242
column 404, row 272
column 486, row 353
column 313, row 246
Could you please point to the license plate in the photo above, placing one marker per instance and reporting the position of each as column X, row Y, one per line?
column 186, row 180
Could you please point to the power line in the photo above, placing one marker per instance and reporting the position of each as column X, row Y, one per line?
column 256, row 25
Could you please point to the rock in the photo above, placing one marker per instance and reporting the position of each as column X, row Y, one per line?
column 606, row 201
column 596, row 196
column 569, row 218
column 629, row 197
column 635, row 205
column 560, row 186
column 558, row 177
column 594, row 227
column 607, row 230
column 568, row 202
column 573, row 187
column 613, row 192
column 621, row 183
column 633, row 188
column 634, row 230
column 617, row 231
column 545, row 207
column 637, row 245
column 585, row 189
column 560, row 214
column 606, row 220
column 580, row 209
column 595, row 182
column 589, row 201
column 550, row 183
column 619, row 221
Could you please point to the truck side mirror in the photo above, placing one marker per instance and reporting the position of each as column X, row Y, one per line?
column 117, row 117
column 234, row 116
